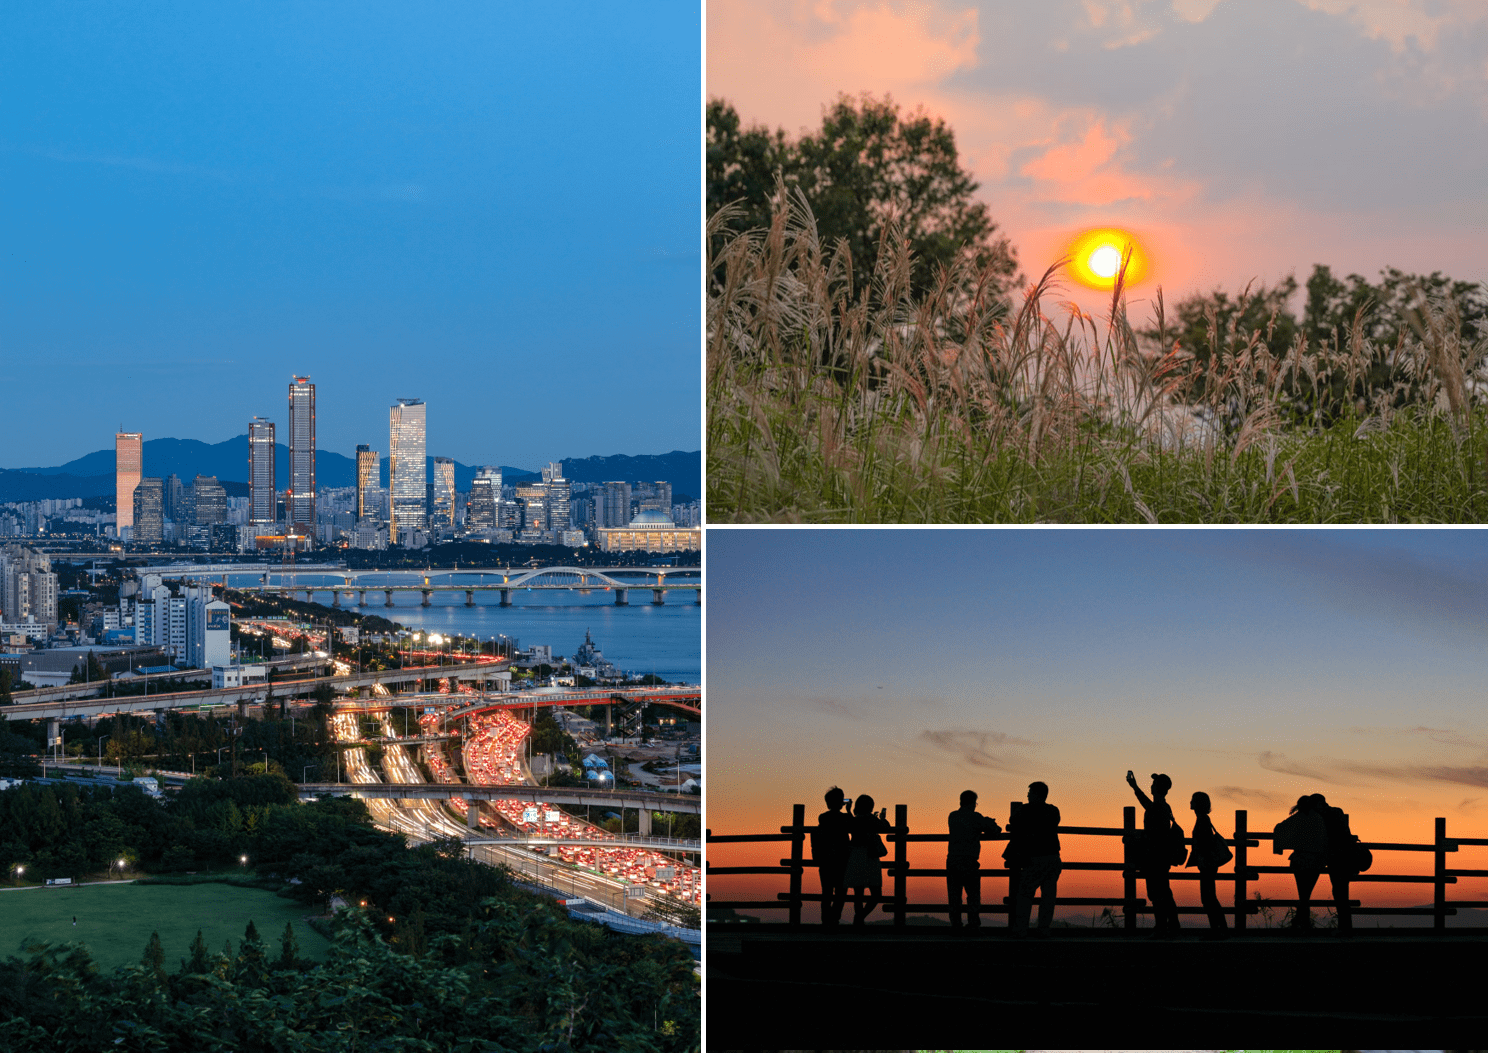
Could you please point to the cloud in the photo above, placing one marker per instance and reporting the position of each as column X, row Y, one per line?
column 1244, row 793
column 980, row 749
column 835, row 707
column 1277, row 762
column 1340, row 772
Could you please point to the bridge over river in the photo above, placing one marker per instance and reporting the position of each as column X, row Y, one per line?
column 358, row 584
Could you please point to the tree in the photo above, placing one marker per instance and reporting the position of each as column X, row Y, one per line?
column 289, row 949
column 866, row 168
column 154, row 957
column 5, row 687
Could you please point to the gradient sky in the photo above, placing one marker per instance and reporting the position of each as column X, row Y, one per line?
column 492, row 207
column 1239, row 138
column 1255, row 665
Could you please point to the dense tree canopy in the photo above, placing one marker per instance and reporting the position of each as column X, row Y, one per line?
column 867, row 166
column 448, row 955
column 1365, row 339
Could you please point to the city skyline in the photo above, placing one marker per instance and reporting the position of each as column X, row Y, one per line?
column 218, row 198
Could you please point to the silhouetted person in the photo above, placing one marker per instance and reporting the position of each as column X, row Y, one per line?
column 864, row 875
column 964, row 859
column 1035, row 845
column 829, row 846
column 1343, row 863
column 1208, row 854
column 1306, row 834
column 1155, row 854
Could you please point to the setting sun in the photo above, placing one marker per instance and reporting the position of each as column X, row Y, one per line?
column 1096, row 257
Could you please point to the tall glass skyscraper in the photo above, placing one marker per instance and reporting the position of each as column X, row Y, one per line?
column 149, row 511
column 369, row 481
column 299, row 499
column 407, row 435
column 444, row 491
column 261, row 494
column 129, row 460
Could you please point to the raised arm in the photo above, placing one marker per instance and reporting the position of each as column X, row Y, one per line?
column 1131, row 780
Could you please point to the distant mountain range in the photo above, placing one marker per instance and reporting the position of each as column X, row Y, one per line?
column 93, row 475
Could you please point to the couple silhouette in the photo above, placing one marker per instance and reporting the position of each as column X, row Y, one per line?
column 1320, row 839
column 1162, row 847
column 847, row 847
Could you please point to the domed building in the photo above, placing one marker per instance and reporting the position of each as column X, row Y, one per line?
column 650, row 531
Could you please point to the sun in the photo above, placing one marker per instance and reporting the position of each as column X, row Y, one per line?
column 1096, row 258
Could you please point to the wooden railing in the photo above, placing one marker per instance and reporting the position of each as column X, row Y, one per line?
column 1241, row 872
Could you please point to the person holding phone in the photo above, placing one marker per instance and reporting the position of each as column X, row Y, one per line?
column 1155, row 854
column 830, row 842
column 864, row 875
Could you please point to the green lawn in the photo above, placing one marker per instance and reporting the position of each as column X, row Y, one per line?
column 115, row 921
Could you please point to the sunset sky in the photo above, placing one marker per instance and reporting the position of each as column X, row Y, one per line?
column 1240, row 138
column 1254, row 665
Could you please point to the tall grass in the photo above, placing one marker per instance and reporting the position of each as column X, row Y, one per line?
column 838, row 397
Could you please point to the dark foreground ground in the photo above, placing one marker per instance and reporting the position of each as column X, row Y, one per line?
column 919, row 988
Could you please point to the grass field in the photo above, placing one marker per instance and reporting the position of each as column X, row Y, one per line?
column 835, row 399
column 115, row 920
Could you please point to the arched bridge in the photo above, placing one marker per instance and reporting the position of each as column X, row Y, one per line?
column 512, row 580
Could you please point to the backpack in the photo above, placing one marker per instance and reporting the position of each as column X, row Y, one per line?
column 1178, row 851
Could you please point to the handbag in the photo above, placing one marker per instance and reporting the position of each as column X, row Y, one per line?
column 1219, row 853
column 1363, row 857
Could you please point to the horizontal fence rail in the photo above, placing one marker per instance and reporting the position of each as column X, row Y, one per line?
column 1243, row 872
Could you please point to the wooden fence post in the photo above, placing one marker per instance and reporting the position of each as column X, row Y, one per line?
column 901, row 863
column 1439, row 886
column 798, row 837
column 1014, row 875
column 1242, row 835
column 1129, row 865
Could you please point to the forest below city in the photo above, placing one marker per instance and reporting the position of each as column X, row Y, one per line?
column 439, row 953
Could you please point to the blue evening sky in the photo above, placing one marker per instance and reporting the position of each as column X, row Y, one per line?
column 491, row 207
column 1250, row 664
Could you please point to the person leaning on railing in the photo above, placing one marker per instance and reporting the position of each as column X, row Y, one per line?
column 1306, row 834
column 829, row 847
column 864, row 875
column 964, row 860
column 1035, row 848
column 1343, row 860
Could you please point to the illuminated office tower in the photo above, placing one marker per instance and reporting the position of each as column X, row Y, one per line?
column 208, row 501
column 129, row 460
column 369, row 481
column 299, row 499
column 149, row 511
column 407, row 432
column 485, row 500
column 558, row 495
column 261, row 494
column 444, row 491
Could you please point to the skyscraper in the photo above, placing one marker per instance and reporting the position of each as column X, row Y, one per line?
column 209, row 500
column 612, row 507
column 485, row 499
column 129, row 460
column 299, row 499
column 407, row 434
column 149, row 511
column 368, row 480
column 444, row 491
column 558, row 496
column 261, row 495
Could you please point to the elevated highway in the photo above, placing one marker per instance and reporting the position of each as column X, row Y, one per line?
column 646, row 800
